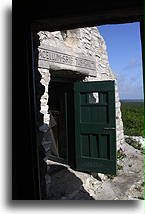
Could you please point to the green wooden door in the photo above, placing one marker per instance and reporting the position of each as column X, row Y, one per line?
column 95, row 134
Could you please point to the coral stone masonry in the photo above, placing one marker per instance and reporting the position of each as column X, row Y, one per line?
column 79, row 51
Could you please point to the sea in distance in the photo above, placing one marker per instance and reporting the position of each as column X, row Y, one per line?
column 132, row 100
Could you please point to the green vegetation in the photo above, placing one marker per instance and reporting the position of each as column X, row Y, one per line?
column 133, row 143
column 121, row 154
column 133, row 118
column 141, row 198
column 119, row 167
column 111, row 176
column 143, row 152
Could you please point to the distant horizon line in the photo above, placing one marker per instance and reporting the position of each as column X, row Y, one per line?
column 131, row 98
column 135, row 100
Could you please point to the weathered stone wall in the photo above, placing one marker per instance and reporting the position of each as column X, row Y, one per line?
column 85, row 42
column 72, row 50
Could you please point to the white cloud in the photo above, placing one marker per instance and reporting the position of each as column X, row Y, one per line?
column 130, row 87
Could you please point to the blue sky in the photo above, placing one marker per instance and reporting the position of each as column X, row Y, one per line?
column 125, row 57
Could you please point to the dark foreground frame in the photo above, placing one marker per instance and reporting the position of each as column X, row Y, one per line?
column 29, row 17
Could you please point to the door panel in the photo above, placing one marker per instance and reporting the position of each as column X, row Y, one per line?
column 94, row 114
column 95, row 134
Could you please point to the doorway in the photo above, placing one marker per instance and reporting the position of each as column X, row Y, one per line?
column 62, row 119
column 83, row 125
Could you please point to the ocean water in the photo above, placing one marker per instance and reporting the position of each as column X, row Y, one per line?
column 132, row 100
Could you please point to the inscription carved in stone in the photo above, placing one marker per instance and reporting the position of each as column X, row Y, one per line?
column 66, row 59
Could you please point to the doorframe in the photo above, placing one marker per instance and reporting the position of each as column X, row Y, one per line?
column 33, row 20
column 61, row 81
column 71, row 161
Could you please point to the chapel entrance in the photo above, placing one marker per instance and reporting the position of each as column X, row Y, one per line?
column 82, row 124
column 61, row 123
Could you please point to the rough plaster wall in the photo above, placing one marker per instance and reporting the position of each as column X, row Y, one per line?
column 89, row 43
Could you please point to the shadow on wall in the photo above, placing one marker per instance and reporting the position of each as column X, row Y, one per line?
column 64, row 185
